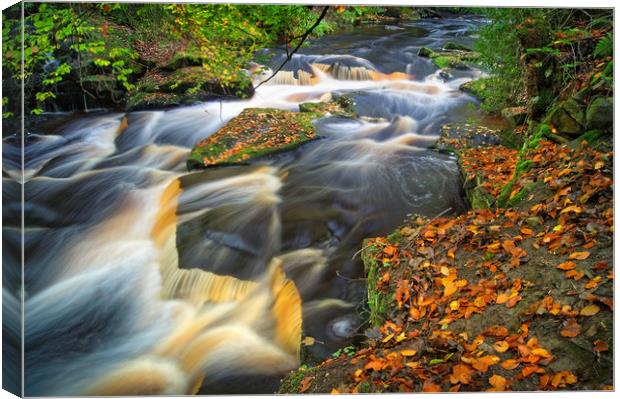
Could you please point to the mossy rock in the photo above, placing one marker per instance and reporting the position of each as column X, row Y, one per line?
column 476, row 88
column 184, row 86
column 456, row 46
column 254, row 133
column 339, row 107
column 458, row 59
column 425, row 52
column 139, row 101
column 566, row 117
column 600, row 113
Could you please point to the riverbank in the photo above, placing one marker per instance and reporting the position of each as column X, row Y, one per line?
column 499, row 298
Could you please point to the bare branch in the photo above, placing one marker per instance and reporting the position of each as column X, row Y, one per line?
column 289, row 56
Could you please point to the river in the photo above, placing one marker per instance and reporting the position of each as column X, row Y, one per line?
column 143, row 278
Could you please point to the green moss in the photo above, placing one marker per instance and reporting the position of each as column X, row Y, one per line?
column 378, row 302
column 291, row 383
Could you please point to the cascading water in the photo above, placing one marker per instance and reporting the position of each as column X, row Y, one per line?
column 141, row 278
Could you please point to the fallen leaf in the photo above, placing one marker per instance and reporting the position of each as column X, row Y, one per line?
column 566, row 265
column 600, row 346
column 498, row 382
column 430, row 386
column 305, row 384
column 571, row 328
column 579, row 255
column 408, row 352
column 461, row 373
column 501, row 346
column 589, row 310
column 510, row 364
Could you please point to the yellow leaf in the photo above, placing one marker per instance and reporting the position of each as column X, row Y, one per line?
column 590, row 310
column 389, row 337
column 308, row 341
column 408, row 352
column 454, row 305
column 579, row 255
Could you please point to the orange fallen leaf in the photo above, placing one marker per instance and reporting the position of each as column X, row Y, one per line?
column 577, row 275
column 541, row 352
column 483, row 363
column 510, row 364
column 408, row 352
column 502, row 298
column 528, row 370
column 498, row 382
column 430, row 386
column 501, row 346
column 461, row 373
column 305, row 384
column 579, row 255
column 566, row 265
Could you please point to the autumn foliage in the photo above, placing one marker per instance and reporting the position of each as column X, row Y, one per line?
column 496, row 299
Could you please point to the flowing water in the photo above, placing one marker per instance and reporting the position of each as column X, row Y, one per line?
column 143, row 278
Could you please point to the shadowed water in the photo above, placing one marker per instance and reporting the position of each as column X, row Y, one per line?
column 142, row 278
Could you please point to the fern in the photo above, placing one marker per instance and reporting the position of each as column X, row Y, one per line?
column 604, row 47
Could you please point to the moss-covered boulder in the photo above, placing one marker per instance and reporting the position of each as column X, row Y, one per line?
column 476, row 88
column 567, row 117
column 254, row 133
column 184, row 86
column 600, row 113
column 458, row 59
column 456, row 46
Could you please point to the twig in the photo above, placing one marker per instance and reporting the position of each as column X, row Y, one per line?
column 290, row 55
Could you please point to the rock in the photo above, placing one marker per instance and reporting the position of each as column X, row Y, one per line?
column 515, row 116
column 566, row 117
column 475, row 87
column 449, row 59
column 600, row 113
column 456, row 46
column 254, row 133
column 425, row 52
column 183, row 86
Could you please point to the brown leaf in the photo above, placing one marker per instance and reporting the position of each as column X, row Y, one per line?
column 601, row 346
column 571, row 328
column 305, row 384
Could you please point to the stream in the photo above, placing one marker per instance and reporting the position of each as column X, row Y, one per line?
column 141, row 277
